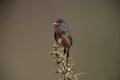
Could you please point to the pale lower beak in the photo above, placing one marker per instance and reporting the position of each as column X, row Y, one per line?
column 55, row 23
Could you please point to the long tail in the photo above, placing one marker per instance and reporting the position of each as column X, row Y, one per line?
column 66, row 52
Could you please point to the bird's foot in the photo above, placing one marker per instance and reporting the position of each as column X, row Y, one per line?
column 64, row 61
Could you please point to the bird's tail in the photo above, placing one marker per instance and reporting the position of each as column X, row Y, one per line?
column 67, row 55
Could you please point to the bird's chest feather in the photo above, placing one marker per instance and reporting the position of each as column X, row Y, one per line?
column 59, row 40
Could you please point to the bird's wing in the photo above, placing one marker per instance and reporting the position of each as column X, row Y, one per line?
column 55, row 36
column 70, row 38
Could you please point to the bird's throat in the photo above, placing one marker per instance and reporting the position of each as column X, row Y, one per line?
column 59, row 41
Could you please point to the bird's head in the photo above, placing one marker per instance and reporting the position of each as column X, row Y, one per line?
column 59, row 22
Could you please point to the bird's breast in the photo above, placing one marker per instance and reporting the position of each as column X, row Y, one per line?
column 66, row 42
column 59, row 41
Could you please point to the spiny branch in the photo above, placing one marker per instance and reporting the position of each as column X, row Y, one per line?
column 65, row 72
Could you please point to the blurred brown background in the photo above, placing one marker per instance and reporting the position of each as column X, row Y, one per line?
column 26, row 38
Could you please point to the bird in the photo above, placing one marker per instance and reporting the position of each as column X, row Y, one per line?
column 63, row 37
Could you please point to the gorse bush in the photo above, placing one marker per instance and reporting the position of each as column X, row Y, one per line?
column 65, row 72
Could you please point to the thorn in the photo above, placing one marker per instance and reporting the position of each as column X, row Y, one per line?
column 71, row 64
column 69, row 58
column 82, row 73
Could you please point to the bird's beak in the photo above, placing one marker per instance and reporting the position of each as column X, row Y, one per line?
column 55, row 24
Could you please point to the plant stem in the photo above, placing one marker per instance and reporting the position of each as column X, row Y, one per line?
column 65, row 72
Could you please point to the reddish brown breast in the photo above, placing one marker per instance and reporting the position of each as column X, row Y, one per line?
column 66, row 42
